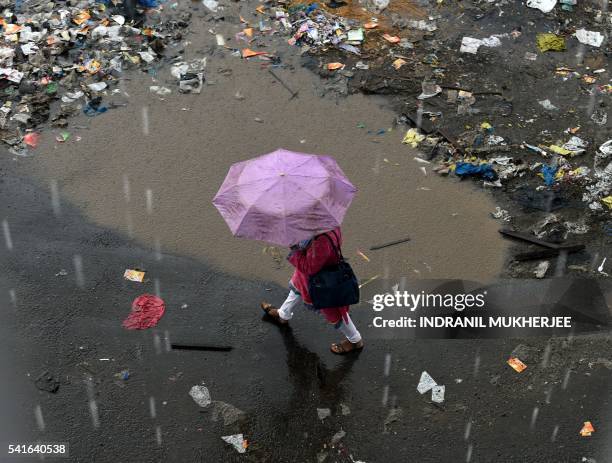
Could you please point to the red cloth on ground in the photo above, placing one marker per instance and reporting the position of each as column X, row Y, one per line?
column 146, row 312
column 309, row 261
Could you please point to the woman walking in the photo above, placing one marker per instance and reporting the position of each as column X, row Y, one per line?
column 309, row 257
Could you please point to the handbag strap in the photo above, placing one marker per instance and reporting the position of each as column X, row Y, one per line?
column 336, row 248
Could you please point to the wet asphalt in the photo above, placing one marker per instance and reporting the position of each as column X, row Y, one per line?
column 67, row 323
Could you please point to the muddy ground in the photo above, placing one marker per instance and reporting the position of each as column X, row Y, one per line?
column 507, row 87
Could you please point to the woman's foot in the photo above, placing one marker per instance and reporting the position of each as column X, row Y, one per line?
column 345, row 347
column 272, row 312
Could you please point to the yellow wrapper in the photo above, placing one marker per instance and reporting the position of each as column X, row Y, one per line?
column 134, row 275
column 516, row 364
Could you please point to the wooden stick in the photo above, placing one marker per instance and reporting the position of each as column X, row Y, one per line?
column 180, row 346
column 386, row 245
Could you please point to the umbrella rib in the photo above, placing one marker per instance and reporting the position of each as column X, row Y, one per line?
column 320, row 202
column 310, row 157
column 253, row 203
column 236, row 185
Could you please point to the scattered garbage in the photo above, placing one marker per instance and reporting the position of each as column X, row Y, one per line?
column 541, row 269
column 123, row 375
column 238, row 441
column 200, row 395
column 587, row 429
column 595, row 39
column 323, row 413
column 48, row 382
column 546, row 104
column 467, row 169
column 427, row 383
column 134, row 275
column 516, row 364
column 471, row 45
column 501, row 214
column 338, row 437
column 550, row 42
column 147, row 309
column 413, row 138
column 437, row 394
column 545, row 6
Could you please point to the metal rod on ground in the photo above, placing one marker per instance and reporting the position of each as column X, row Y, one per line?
column 181, row 346
column 293, row 94
column 386, row 245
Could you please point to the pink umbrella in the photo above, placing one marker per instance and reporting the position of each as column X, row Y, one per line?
column 284, row 197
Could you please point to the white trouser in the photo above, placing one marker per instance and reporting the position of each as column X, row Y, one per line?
column 346, row 327
column 293, row 301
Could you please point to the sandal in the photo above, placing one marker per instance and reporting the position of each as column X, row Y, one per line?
column 343, row 349
column 272, row 312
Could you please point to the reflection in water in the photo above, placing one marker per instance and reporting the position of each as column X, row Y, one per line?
column 314, row 385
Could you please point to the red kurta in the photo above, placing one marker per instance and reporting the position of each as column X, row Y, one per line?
column 318, row 254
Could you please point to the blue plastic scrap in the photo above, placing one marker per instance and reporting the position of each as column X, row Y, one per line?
column 92, row 110
column 466, row 169
column 549, row 172
column 311, row 8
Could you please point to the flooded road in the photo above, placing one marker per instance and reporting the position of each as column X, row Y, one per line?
column 150, row 169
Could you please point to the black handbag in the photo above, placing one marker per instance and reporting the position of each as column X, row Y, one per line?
column 334, row 285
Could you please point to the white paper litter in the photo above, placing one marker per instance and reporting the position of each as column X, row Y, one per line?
column 69, row 97
column 595, row 39
column 425, row 383
column 437, row 394
column 118, row 19
column 323, row 413
column 201, row 396
column 576, row 145
column 11, row 74
column 237, row 440
column 212, row 5
column 147, row 56
column 29, row 48
column 546, row 104
column 545, row 6
column 541, row 269
column 161, row 91
column 606, row 148
column 471, row 45
column 97, row 86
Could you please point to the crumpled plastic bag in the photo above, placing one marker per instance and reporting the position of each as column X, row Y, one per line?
column 550, row 42
column 466, row 169
column 413, row 138
column 147, row 309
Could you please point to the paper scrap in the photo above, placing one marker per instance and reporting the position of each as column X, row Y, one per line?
column 426, row 383
column 587, row 429
column 238, row 441
column 134, row 275
column 437, row 394
column 515, row 363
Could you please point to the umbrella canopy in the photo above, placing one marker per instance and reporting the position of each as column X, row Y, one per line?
column 284, row 197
